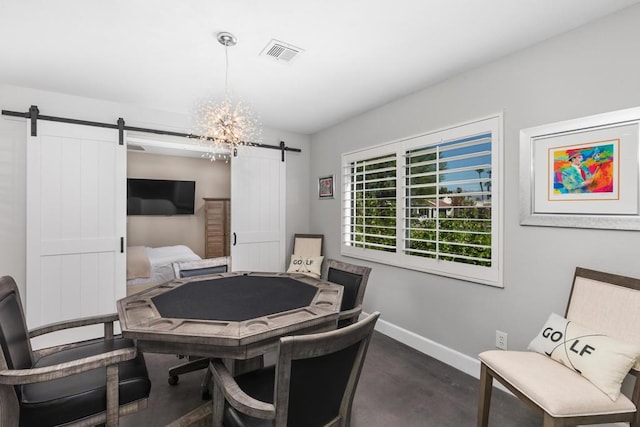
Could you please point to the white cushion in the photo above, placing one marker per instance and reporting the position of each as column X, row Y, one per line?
column 311, row 266
column 559, row 391
column 599, row 358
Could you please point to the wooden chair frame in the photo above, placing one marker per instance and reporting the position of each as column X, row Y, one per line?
column 9, row 406
column 293, row 348
column 487, row 374
column 353, row 313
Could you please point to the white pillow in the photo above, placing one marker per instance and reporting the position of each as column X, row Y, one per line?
column 311, row 266
column 603, row 360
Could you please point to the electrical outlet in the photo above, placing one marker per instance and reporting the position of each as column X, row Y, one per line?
column 501, row 340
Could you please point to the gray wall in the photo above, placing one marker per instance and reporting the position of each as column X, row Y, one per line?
column 13, row 134
column 591, row 70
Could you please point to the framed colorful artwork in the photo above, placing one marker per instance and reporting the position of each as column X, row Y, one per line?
column 582, row 173
column 326, row 187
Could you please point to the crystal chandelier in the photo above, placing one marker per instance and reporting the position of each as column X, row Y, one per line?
column 223, row 126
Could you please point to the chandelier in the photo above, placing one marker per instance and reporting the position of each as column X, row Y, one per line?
column 224, row 125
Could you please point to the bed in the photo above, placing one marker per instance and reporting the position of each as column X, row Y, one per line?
column 148, row 266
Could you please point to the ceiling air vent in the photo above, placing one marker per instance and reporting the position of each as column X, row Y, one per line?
column 279, row 51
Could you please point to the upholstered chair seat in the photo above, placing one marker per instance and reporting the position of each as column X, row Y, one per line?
column 62, row 400
column 559, row 391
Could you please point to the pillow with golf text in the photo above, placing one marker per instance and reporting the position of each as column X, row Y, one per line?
column 603, row 360
column 309, row 265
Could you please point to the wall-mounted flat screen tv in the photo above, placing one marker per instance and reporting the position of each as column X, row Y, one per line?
column 160, row 197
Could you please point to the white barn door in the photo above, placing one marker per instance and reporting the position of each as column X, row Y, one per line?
column 258, row 210
column 76, row 218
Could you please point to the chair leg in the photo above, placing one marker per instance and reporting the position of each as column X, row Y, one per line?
column 635, row 397
column 484, row 400
column 217, row 409
column 205, row 385
column 549, row 421
column 113, row 397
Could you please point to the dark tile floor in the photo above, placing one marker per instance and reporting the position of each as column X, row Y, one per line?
column 399, row 386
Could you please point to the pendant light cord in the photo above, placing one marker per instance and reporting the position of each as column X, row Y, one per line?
column 226, row 71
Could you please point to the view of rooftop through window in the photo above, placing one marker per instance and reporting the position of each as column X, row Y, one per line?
column 429, row 198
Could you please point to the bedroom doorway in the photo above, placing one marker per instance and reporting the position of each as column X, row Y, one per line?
column 258, row 199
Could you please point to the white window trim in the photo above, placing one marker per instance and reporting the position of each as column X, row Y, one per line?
column 488, row 276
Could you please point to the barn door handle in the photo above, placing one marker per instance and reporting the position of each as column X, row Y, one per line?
column 234, row 239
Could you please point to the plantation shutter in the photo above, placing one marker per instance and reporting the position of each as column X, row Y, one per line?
column 448, row 201
column 370, row 203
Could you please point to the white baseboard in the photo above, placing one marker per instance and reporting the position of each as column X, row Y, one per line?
column 453, row 358
column 460, row 361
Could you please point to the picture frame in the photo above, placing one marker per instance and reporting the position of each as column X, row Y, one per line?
column 582, row 173
column 326, row 187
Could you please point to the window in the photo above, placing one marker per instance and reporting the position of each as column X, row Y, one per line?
column 430, row 202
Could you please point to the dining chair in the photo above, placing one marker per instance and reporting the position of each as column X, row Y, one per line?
column 79, row 384
column 201, row 267
column 312, row 384
column 188, row 269
column 308, row 244
column 306, row 254
column 354, row 279
column 604, row 308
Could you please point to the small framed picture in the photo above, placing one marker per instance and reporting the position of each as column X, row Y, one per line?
column 326, row 187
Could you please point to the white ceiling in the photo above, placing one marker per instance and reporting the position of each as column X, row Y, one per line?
column 358, row 54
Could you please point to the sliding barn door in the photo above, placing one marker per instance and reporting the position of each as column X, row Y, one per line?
column 258, row 210
column 76, row 218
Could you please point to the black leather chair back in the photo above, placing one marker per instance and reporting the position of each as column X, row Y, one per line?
column 14, row 338
column 203, row 271
column 318, row 386
column 351, row 283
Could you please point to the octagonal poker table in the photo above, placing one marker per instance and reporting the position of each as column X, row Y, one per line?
column 238, row 315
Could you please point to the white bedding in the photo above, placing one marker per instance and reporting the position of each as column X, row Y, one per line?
column 160, row 260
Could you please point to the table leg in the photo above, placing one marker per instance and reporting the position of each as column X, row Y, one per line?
column 236, row 367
